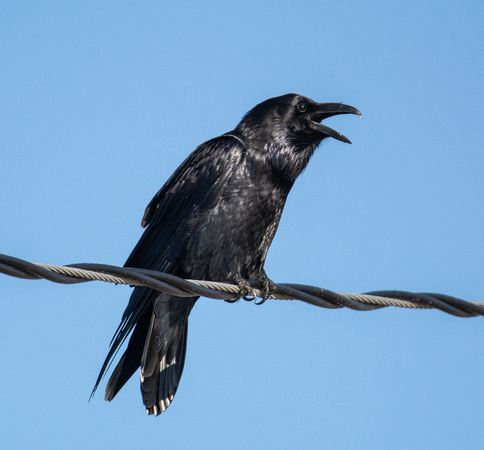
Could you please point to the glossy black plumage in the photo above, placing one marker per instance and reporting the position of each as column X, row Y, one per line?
column 214, row 219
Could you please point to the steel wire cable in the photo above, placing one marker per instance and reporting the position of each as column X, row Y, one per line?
column 228, row 291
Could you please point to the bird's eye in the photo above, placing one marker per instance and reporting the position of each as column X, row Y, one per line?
column 301, row 107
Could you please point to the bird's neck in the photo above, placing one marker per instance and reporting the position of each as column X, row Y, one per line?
column 285, row 157
column 288, row 162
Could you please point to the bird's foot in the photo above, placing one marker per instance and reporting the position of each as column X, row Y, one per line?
column 268, row 286
column 245, row 291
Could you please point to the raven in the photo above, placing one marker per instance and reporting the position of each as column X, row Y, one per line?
column 214, row 219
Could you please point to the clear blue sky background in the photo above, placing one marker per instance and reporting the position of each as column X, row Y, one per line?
column 101, row 101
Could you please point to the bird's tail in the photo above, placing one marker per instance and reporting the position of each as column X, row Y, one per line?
column 157, row 344
column 162, row 361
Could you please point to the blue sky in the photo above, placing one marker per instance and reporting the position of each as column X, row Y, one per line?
column 101, row 101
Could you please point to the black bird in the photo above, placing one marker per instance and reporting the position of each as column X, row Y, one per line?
column 214, row 219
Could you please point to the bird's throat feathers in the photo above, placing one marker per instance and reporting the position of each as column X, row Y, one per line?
column 288, row 160
column 286, row 154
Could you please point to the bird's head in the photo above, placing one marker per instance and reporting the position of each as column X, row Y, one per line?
column 289, row 127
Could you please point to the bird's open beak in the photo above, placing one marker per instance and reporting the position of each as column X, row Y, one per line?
column 326, row 110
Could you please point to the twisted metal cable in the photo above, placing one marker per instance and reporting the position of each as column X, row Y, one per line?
column 80, row 273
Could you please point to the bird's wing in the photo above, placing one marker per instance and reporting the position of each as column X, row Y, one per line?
column 193, row 187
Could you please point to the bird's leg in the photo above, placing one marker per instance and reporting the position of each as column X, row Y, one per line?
column 245, row 292
column 268, row 286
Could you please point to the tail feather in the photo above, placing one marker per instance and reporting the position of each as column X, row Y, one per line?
column 129, row 362
column 164, row 354
column 170, row 372
column 136, row 316
column 157, row 344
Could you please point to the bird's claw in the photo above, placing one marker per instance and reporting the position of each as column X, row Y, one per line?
column 268, row 286
column 245, row 290
column 247, row 293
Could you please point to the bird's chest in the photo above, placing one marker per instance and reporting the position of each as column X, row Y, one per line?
column 234, row 234
column 252, row 207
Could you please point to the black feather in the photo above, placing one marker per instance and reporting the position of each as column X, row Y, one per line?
column 214, row 219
